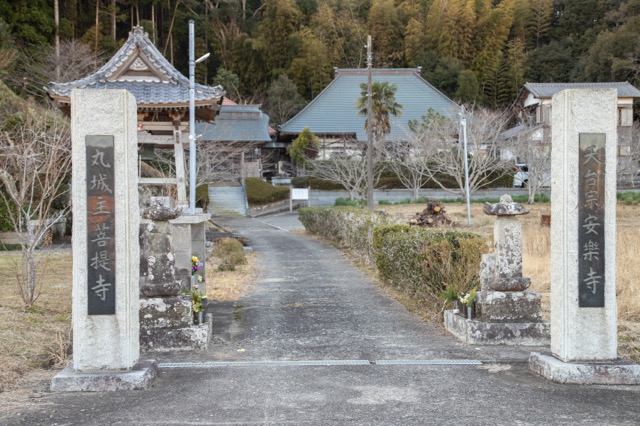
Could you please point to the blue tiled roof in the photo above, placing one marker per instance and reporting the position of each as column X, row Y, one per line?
column 244, row 123
column 166, row 86
column 334, row 110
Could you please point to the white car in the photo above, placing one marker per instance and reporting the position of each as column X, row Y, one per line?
column 521, row 178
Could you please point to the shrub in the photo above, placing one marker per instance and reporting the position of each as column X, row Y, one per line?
column 260, row 192
column 202, row 196
column 230, row 253
column 390, row 183
column 504, row 181
column 325, row 185
column 301, row 181
column 5, row 222
column 425, row 261
column 629, row 198
column 348, row 202
column 348, row 227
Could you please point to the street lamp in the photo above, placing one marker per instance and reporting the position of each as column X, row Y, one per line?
column 192, row 117
column 463, row 123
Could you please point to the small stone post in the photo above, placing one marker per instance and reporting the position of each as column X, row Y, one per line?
column 106, row 345
column 166, row 317
column 509, row 314
column 584, row 340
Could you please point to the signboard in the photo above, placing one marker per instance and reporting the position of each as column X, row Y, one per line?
column 300, row 193
column 101, row 262
column 591, row 220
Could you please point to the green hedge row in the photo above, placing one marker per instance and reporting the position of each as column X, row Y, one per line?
column 392, row 182
column 425, row 262
column 260, row 192
column 419, row 262
column 5, row 223
column 348, row 227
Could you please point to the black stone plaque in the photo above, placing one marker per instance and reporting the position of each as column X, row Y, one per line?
column 101, row 261
column 591, row 219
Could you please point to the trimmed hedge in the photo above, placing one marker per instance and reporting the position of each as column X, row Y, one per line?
column 202, row 196
column 260, row 192
column 393, row 182
column 426, row 261
column 420, row 262
column 5, row 223
column 348, row 227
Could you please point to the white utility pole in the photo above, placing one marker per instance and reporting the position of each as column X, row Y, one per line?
column 192, row 120
column 463, row 122
column 369, row 128
column 192, row 116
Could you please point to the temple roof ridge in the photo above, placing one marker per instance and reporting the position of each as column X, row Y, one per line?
column 139, row 67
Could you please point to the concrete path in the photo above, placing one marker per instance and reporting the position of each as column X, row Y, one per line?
column 315, row 342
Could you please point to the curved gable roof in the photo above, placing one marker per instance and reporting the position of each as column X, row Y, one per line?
column 140, row 68
column 334, row 112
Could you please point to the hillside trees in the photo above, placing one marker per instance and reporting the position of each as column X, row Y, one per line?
column 501, row 42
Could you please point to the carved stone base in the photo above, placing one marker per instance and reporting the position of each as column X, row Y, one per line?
column 615, row 372
column 190, row 338
column 139, row 377
column 165, row 312
column 507, row 307
column 477, row 332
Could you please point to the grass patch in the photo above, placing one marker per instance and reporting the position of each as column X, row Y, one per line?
column 629, row 198
column 230, row 285
column 38, row 338
column 260, row 192
column 349, row 202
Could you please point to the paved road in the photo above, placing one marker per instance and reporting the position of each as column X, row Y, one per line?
column 315, row 342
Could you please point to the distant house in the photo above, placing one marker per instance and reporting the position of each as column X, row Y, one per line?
column 243, row 129
column 333, row 115
column 534, row 108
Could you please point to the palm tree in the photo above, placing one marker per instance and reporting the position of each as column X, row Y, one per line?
column 383, row 98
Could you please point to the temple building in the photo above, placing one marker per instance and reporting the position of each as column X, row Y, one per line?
column 162, row 97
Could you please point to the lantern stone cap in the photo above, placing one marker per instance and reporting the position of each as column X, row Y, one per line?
column 506, row 207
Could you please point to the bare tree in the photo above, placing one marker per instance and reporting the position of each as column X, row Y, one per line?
column 405, row 159
column 215, row 161
column 348, row 169
column 35, row 162
column 75, row 61
column 534, row 149
column 629, row 160
column 220, row 161
column 441, row 150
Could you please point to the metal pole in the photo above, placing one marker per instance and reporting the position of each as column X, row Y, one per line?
column 463, row 121
column 192, row 121
column 369, row 128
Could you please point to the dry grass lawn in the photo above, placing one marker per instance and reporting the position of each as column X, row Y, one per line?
column 536, row 258
column 229, row 285
column 35, row 339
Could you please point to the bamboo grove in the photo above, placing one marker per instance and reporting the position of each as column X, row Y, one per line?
column 476, row 51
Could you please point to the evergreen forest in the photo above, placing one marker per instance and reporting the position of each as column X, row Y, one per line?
column 268, row 51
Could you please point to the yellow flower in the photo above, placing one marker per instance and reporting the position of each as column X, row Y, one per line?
column 194, row 259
